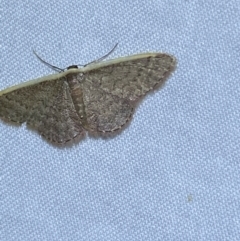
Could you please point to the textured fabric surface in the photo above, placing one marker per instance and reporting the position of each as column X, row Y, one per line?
column 174, row 173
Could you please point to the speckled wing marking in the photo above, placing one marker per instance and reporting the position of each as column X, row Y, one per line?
column 46, row 107
column 105, row 112
column 134, row 78
column 98, row 98
column 109, row 91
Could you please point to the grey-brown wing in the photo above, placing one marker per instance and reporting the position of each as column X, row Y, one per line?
column 105, row 112
column 18, row 105
column 46, row 107
column 133, row 78
column 109, row 91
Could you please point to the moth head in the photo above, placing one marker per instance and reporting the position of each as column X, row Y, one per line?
column 72, row 67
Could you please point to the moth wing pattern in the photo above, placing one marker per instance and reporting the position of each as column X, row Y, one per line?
column 111, row 90
column 18, row 105
column 99, row 98
column 105, row 112
column 45, row 107
column 133, row 78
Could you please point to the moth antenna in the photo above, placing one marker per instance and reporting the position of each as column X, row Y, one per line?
column 103, row 57
column 55, row 68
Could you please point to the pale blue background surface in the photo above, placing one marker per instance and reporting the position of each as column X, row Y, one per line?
column 174, row 173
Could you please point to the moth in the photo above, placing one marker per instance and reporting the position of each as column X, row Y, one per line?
column 98, row 98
